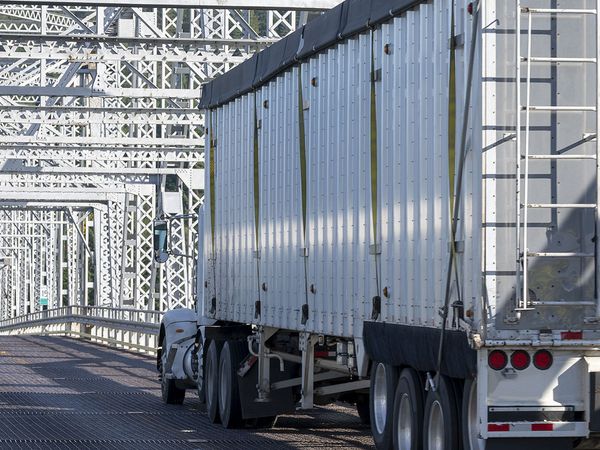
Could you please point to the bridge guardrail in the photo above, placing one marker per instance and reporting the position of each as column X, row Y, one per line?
column 127, row 328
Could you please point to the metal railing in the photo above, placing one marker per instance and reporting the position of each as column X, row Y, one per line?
column 132, row 329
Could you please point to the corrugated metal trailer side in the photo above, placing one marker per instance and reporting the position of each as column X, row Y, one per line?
column 332, row 259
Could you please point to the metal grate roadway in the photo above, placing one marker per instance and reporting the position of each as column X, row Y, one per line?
column 60, row 393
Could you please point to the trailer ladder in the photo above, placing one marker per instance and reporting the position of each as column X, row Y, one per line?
column 523, row 157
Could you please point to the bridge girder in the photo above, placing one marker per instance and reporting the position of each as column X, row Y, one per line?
column 98, row 106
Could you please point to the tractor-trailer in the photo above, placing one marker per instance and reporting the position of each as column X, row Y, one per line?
column 401, row 212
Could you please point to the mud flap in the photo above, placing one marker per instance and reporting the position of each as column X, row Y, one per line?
column 281, row 400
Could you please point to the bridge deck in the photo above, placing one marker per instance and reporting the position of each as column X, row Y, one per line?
column 68, row 394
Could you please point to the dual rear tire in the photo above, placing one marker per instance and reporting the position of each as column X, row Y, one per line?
column 221, row 387
column 406, row 417
column 222, row 395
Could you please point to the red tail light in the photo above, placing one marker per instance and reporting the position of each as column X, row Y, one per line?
column 520, row 360
column 497, row 359
column 542, row 359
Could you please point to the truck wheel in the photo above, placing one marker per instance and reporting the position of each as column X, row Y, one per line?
column 230, row 406
column 470, row 418
column 211, row 379
column 408, row 412
column 171, row 394
column 440, row 428
column 383, row 388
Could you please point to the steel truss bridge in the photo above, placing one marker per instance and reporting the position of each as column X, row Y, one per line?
column 99, row 135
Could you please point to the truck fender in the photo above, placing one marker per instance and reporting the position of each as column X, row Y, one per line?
column 177, row 335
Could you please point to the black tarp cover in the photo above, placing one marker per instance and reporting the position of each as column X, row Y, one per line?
column 342, row 22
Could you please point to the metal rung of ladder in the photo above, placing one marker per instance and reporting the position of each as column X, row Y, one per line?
column 527, row 10
column 561, row 254
column 558, row 59
column 557, row 108
column 562, row 205
column 564, row 303
column 562, row 157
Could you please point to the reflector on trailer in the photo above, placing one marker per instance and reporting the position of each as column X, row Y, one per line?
column 542, row 427
column 498, row 427
column 571, row 335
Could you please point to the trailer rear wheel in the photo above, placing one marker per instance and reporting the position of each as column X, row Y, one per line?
column 470, row 418
column 440, row 430
column 383, row 389
column 408, row 411
column 211, row 378
column 171, row 393
column 230, row 407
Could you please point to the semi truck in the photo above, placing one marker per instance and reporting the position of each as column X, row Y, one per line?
column 401, row 212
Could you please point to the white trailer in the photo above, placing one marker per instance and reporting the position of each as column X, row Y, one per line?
column 401, row 211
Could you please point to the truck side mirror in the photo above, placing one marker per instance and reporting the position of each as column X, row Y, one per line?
column 161, row 241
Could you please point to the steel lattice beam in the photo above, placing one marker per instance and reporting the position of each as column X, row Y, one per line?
column 98, row 117
column 297, row 5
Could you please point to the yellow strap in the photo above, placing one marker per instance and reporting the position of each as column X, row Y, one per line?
column 373, row 133
column 302, row 142
column 256, row 179
column 212, row 180
column 452, row 114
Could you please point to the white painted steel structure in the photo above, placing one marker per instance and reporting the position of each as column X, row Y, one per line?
column 100, row 134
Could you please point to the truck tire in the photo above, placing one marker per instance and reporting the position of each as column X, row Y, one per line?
column 200, row 383
column 383, row 389
column 171, row 394
column 440, row 429
column 470, row 418
column 407, row 430
column 230, row 406
column 211, row 378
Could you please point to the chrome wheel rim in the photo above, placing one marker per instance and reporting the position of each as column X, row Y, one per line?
column 380, row 398
column 435, row 431
column 405, row 423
